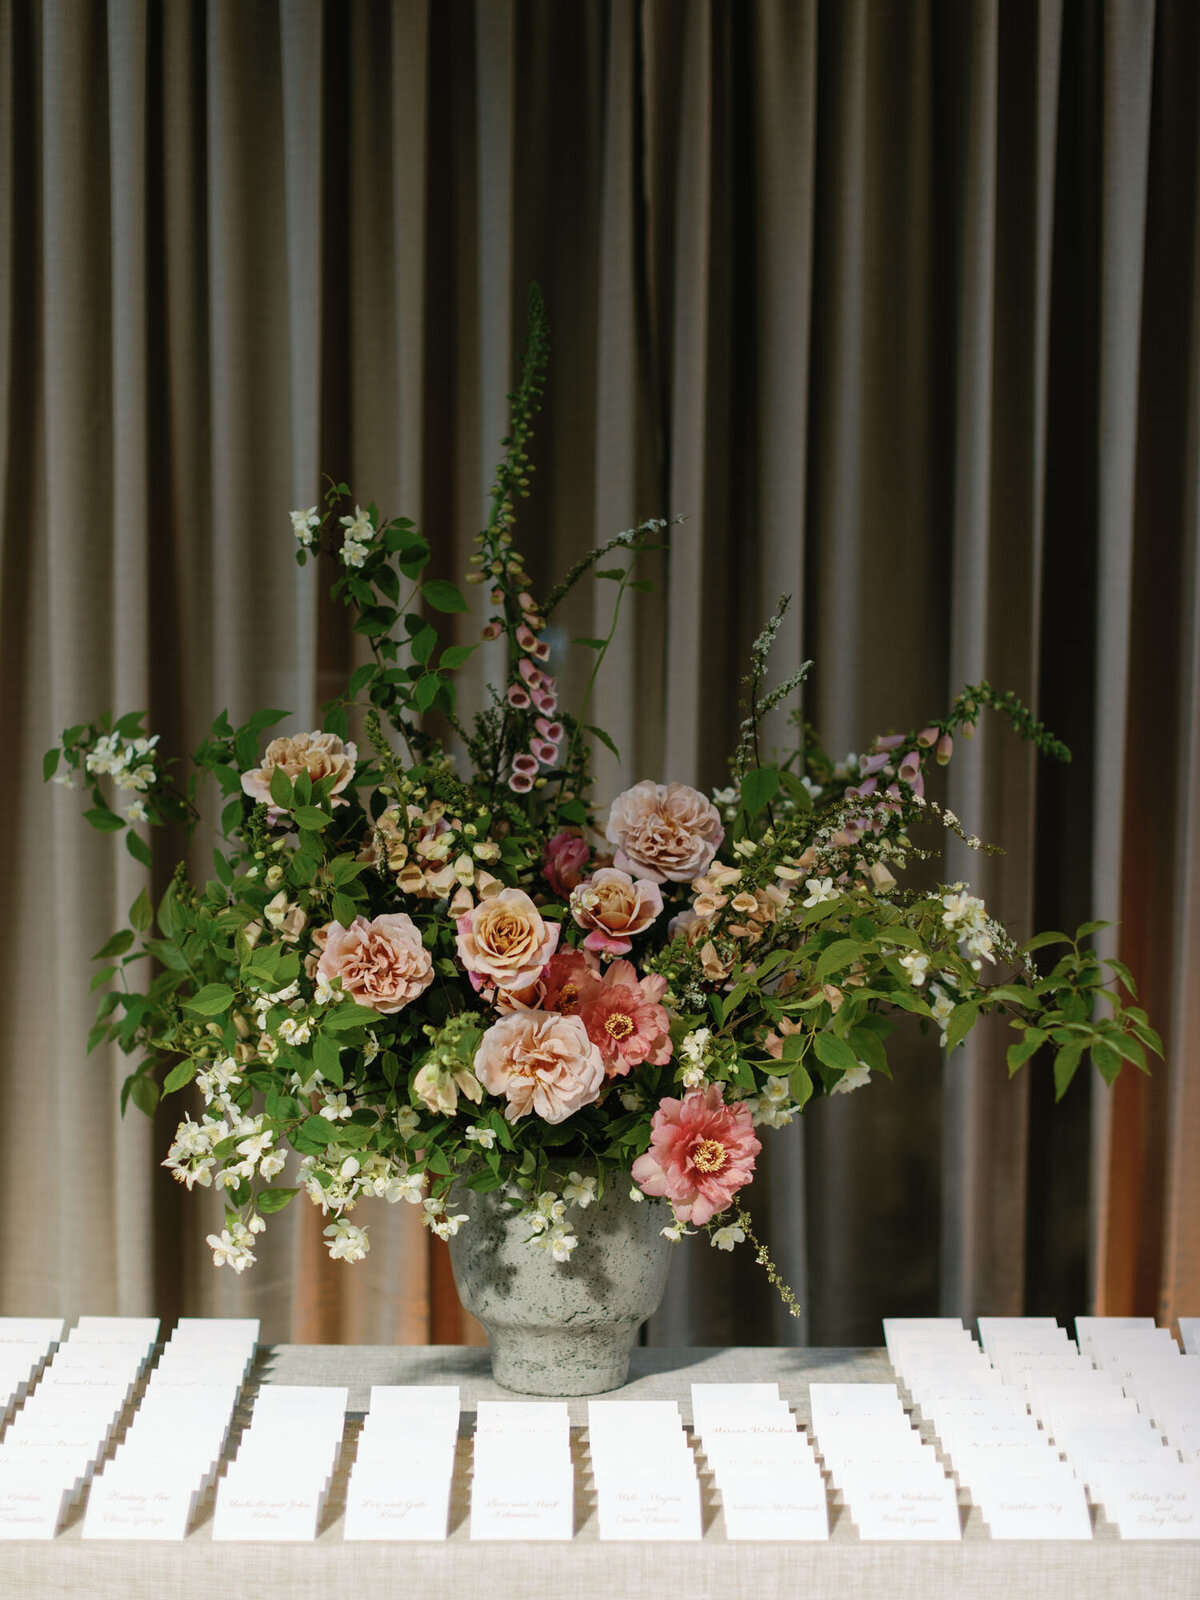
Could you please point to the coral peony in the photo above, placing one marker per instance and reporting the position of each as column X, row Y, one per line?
column 382, row 964
column 664, row 831
column 701, row 1152
column 540, row 1061
column 625, row 1021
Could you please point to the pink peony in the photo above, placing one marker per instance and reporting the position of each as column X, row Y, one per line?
column 664, row 831
column 318, row 754
column 569, row 978
column 382, row 964
column 505, row 941
column 701, row 1152
column 625, row 1021
column 614, row 907
column 541, row 1062
column 564, row 859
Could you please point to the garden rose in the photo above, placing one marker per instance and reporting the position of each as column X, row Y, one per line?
column 540, row 1061
column 505, row 941
column 701, row 1153
column 564, row 861
column 382, row 964
column 624, row 1019
column 615, row 906
column 318, row 754
column 664, row 831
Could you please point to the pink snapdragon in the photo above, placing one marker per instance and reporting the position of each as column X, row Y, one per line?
column 701, row 1153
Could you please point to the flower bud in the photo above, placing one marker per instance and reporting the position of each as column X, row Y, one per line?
column 945, row 749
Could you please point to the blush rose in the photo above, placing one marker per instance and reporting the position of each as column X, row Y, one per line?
column 664, row 831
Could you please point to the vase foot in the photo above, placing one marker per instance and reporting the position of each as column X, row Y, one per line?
column 559, row 1361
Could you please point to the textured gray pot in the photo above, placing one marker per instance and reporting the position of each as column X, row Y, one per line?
column 566, row 1327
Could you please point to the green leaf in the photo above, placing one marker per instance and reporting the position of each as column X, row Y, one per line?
column 101, row 817
column 1107, row 1061
column 361, row 677
column 1087, row 928
column 211, row 1001
column 141, row 912
column 962, row 1020
column 424, row 644
column 138, row 848
column 613, row 573
column 116, row 946
column 270, row 1200
column 758, row 785
column 144, row 1094
column 102, row 977
column 311, row 818
column 834, row 1052
column 1018, row 1054
column 223, row 869
column 327, row 1058
column 574, row 811
column 426, row 690
column 591, row 644
column 317, row 1130
column 349, row 1015
column 802, row 1085
column 1065, row 1063
column 231, row 815
column 1043, row 939
column 836, row 957
column 443, row 595
column 455, row 656
column 281, row 789
column 179, row 1074
column 344, row 910
column 1130, row 1049
column 50, row 764
column 603, row 738
column 868, row 1047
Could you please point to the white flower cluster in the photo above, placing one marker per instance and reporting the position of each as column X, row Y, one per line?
column 725, row 1238
column 966, row 915
column 231, row 1247
column 346, row 1242
column 436, row 1217
column 820, row 890
column 357, row 538
column 853, row 1078
column 305, row 524
column 337, row 1179
column 694, row 1055
column 772, row 1108
column 128, row 762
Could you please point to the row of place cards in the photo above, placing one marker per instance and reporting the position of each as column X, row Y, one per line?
column 275, row 1488
column 1035, row 1427
column 172, row 1451
column 53, row 1443
column 763, row 1466
column 404, row 1466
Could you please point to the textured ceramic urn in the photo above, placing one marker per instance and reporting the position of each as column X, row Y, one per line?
column 562, row 1327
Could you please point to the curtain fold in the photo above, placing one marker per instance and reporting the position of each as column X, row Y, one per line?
column 893, row 301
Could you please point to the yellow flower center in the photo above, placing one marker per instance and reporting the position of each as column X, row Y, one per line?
column 619, row 1025
column 567, row 997
column 710, row 1155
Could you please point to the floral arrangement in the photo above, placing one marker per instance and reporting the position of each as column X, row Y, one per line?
column 409, row 979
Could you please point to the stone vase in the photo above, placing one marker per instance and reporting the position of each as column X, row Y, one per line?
column 562, row 1328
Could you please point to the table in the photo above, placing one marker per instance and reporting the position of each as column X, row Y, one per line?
column 843, row 1569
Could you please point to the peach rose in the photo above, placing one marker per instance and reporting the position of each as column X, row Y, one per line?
column 505, row 940
column 664, row 831
column 382, row 964
column 540, row 1061
column 615, row 906
column 318, row 754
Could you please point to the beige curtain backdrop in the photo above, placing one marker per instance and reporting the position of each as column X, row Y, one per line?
column 895, row 300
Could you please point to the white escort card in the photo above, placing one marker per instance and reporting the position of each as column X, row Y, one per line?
column 763, row 1467
column 523, row 1479
column 400, row 1483
column 644, row 1471
column 276, row 1487
column 1189, row 1332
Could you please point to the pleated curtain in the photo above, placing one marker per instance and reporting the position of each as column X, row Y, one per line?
column 894, row 301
